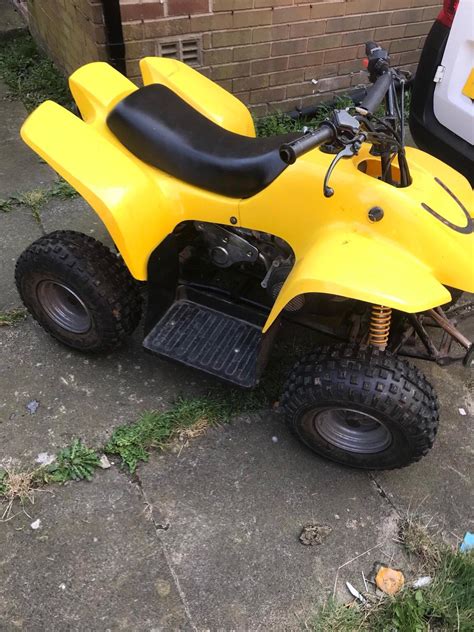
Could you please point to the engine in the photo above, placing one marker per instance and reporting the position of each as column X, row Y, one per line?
column 227, row 246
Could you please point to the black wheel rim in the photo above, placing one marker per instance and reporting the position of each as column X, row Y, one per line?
column 350, row 430
column 64, row 307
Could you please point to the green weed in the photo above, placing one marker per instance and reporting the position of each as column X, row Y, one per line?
column 75, row 462
column 36, row 199
column 12, row 316
column 30, row 76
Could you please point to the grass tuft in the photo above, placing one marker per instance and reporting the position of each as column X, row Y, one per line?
column 156, row 429
column 30, row 75
column 16, row 486
column 12, row 316
column 446, row 604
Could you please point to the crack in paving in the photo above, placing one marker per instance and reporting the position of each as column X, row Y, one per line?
column 160, row 527
column 381, row 491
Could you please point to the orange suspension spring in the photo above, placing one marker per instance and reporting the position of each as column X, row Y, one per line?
column 379, row 329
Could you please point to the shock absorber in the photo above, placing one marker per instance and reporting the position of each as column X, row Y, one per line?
column 379, row 329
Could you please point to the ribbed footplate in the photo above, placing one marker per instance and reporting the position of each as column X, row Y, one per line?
column 206, row 339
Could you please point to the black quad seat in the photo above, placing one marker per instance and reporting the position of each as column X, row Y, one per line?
column 161, row 129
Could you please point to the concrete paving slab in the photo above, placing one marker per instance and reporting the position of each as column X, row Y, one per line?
column 18, row 229
column 234, row 504
column 79, row 395
column 11, row 22
column 441, row 484
column 20, row 168
column 73, row 214
column 94, row 563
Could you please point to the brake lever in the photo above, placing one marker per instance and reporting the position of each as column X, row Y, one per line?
column 349, row 150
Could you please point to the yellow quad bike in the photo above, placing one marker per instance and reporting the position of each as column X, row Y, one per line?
column 341, row 229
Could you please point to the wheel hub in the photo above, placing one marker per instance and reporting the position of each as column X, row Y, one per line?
column 351, row 430
column 64, row 307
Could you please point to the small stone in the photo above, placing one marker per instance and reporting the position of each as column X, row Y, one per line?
column 389, row 580
column 314, row 534
column 104, row 462
column 275, row 439
column 44, row 458
column 36, row 524
column 32, row 406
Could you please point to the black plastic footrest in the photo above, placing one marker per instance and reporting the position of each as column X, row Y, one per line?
column 209, row 340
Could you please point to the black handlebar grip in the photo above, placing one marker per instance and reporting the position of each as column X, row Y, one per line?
column 289, row 152
column 376, row 93
column 370, row 47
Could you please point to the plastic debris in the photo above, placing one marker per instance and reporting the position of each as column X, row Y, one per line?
column 389, row 580
column 44, row 458
column 355, row 593
column 32, row 406
column 36, row 524
column 314, row 534
column 422, row 582
column 462, row 412
column 468, row 543
column 104, row 462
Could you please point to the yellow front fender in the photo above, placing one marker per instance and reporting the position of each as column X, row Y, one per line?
column 354, row 265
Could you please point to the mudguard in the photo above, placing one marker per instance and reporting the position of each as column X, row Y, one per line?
column 203, row 94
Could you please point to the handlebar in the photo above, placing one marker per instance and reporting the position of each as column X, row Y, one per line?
column 289, row 152
column 375, row 94
column 381, row 76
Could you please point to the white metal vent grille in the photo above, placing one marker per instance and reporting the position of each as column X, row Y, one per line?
column 185, row 50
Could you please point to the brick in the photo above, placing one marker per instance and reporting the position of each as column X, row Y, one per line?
column 187, row 7
column 270, row 33
column 400, row 46
column 335, row 25
column 300, row 90
column 211, row 22
column 217, row 56
column 268, row 95
column 132, row 31
column 307, row 59
column 231, row 38
column 407, row 17
column 255, row 51
column 419, row 28
column 260, row 4
column 375, row 19
column 166, row 28
column 286, row 77
column 322, row 71
column 230, row 71
column 243, row 19
column 291, row 14
column 269, row 65
column 332, row 84
column 390, row 5
column 306, row 29
column 143, row 48
column 324, row 42
column 431, row 13
column 357, row 37
column 361, row 6
column 231, row 5
column 410, row 57
column 350, row 67
column 289, row 47
column 340, row 54
column 251, row 83
column 327, row 9
column 259, row 110
column 389, row 32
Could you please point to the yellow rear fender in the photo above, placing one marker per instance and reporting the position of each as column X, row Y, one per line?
column 126, row 199
column 97, row 88
column 201, row 93
column 357, row 266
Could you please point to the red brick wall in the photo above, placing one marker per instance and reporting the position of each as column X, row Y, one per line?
column 280, row 54
column 273, row 54
column 71, row 31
